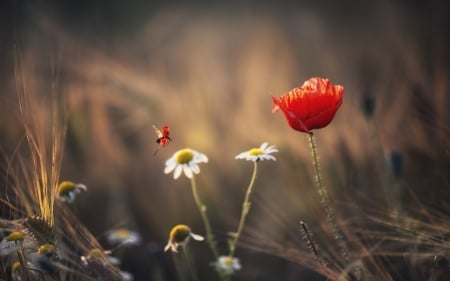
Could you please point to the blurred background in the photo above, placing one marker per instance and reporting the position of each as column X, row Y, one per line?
column 206, row 69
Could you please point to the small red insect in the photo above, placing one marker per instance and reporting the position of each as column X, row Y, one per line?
column 163, row 137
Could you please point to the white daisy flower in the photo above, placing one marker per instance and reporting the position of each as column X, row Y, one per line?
column 68, row 190
column 123, row 236
column 228, row 265
column 11, row 243
column 179, row 235
column 185, row 160
column 260, row 153
column 16, row 271
column 44, row 259
column 96, row 256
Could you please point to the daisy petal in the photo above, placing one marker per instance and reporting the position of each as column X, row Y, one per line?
column 241, row 155
column 264, row 145
column 187, row 171
column 195, row 168
column 200, row 158
column 177, row 172
column 197, row 237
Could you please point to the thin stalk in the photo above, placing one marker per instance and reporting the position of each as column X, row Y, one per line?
column 189, row 262
column 209, row 235
column 325, row 201
column 22, row 261
column 310, row 242
column 202, row 208
column 245, row 209
column 179, row 267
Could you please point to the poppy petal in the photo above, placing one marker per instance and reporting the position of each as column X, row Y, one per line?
column 312, row 106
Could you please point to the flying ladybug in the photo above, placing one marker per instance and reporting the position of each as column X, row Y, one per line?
column 163, row 137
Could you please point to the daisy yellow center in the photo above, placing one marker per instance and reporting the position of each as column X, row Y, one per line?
column 179, row 233
column 228, row 261
column 46, row 249
column 256, row 151
column 122, row 233
column 66, row 187
column 16, row 266
column 184, row 156
column 15, row 236
column 95, row 253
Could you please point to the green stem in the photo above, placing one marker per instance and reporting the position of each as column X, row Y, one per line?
column 209, row 235
column 179, row 267
column 325, row 201
column 245, row 209
column 202, row 208
column 189, row 262
column 22, row 261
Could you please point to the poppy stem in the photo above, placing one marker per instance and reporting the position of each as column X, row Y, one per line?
column 245, row 210
column 325, row 201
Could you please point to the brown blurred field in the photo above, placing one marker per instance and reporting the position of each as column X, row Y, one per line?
column 207, row 71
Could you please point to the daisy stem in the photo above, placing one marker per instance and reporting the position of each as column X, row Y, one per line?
column 180, row 267
column 22, row 261
column 325, row 201
column 209, row 235
column 189, row 262
column 202, row 208
column 245, row 210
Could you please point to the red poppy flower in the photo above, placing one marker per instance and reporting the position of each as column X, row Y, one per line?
column 312, row 106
